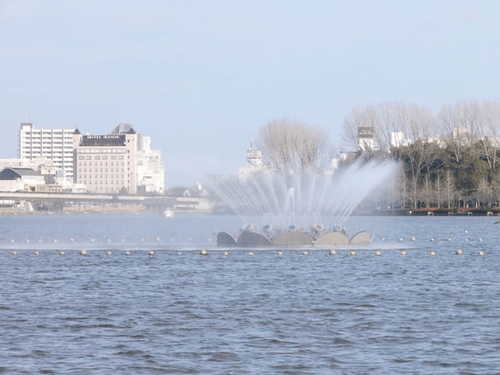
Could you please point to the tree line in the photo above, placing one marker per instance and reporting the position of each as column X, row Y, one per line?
column 448, row 159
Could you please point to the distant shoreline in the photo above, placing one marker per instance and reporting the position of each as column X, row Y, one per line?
column 419, row 212
column 431, row 212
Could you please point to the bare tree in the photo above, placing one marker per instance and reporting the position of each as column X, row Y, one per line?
column 290, row 144
column 460, row 126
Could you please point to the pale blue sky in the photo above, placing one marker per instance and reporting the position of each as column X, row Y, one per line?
column 202, row 76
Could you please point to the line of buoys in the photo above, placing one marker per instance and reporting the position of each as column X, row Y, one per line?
column 331, row 252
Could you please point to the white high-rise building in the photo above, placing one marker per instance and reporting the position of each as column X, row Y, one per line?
column 53, row 144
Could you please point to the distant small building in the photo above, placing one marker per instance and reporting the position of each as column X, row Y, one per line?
column 366, row 139
column 457, row 133
column 43, row 165
column 21, row 179
column 254, row 163
column 150, row 169
column 398, row 139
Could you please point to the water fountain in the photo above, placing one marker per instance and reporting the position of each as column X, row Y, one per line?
column 299, row 207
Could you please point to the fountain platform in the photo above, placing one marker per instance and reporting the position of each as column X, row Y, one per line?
column 253, row 239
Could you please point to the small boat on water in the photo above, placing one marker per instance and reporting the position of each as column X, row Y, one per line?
column 168, row 213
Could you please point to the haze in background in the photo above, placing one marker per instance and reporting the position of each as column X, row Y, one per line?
column 202, row 76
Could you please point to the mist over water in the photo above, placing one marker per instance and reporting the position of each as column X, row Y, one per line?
column 302, row 197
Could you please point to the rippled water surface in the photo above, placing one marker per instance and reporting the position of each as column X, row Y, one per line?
column 182, row 313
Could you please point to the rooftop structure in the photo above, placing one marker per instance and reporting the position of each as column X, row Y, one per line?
column 123, row 129
column 20, row 179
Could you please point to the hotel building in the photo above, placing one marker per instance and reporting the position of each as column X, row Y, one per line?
column 107, row 163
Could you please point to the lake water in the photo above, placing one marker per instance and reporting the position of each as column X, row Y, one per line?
column 178, row 312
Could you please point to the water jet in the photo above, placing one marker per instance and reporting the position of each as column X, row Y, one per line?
column 297, row 206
